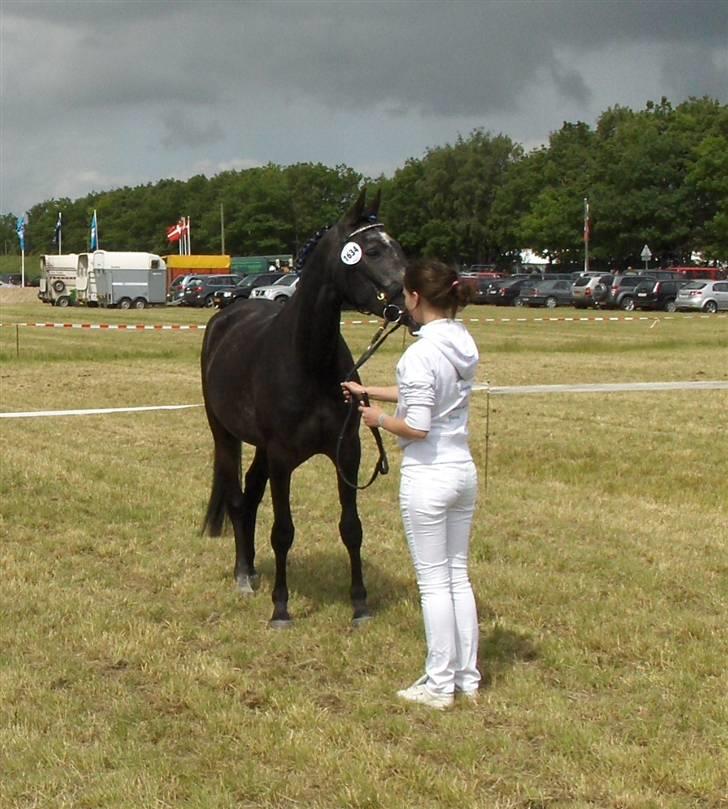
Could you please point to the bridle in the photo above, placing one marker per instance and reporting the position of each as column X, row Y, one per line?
column 394, row 320
column 381, row 296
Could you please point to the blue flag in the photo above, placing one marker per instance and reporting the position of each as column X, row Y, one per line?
column 20, row 229
column 59, row 227
column 94, row 239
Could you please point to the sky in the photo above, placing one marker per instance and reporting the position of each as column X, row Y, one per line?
column 101, row 94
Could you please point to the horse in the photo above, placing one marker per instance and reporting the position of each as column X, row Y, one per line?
column 271, row 378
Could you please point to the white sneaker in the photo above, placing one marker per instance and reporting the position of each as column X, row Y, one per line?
column 419, row 693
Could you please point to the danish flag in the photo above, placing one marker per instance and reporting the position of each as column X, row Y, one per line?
column 175, row 233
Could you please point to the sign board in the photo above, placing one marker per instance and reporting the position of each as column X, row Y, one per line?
column 646, row 253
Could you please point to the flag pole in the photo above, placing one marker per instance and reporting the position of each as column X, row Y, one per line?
column 222, row 229
column 189, row 237
column 586, row 234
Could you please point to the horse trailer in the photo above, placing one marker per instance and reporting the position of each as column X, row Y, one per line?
column 58, row 279
column 122, row 279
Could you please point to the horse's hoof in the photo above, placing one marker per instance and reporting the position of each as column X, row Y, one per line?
column 281, row 623
column 359, row 621
column 247, row 585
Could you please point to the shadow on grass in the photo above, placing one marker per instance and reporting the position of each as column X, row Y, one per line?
column 324, row 577
column 501, row 650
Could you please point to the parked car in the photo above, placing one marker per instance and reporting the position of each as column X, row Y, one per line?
column 655, row 293
column 224, row 297
column 590, row 289
column 200, row 292
column 505, row 292
column 279, row 292
column 175, row 294
column 621, row 293
column 479, row 284
column 708, row 296
column 550, row 293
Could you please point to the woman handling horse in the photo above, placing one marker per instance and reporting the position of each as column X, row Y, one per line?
column 438, row 480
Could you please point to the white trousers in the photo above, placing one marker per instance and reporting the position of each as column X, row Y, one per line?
column 437, row 503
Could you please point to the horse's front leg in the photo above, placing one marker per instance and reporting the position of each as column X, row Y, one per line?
column 281, row 539
column 350, row 527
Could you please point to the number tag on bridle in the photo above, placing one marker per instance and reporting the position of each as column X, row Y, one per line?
column 351, row 253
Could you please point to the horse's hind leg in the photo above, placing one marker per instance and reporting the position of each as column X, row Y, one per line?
column 351, row 533
column 243, row 512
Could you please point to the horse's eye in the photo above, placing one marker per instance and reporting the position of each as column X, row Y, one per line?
column 372, row 252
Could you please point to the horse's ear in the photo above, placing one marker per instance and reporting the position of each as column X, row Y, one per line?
column 355, row 213
column 374, row 210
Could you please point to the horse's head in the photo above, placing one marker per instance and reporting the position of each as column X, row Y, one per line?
column 369, row 264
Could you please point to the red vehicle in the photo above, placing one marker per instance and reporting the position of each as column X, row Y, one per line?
column 701, row 273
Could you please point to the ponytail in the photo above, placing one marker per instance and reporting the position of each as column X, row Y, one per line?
column 439, row 284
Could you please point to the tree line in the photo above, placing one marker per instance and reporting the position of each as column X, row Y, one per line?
column 658, row 176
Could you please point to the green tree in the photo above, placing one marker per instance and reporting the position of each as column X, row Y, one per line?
column 562, row 178
column 441, row 204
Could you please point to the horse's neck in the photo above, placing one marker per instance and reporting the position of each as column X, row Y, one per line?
column 316, row 313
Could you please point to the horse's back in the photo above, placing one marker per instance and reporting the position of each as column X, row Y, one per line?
column 239, row 325
column 233, row 351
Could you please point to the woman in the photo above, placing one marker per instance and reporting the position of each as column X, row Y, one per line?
column 438, row 481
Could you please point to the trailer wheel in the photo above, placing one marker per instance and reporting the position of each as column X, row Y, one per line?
column 140, row 303
column 59, row 286
column 124, row 303
column 63, row 301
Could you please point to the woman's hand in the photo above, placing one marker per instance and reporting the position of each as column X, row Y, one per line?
column 350, row 389
column 370, row 415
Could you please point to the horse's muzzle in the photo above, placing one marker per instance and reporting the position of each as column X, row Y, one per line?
column 392, row 313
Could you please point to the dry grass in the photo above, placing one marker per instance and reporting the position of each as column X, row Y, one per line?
column 132, row 675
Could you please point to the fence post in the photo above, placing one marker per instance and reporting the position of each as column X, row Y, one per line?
column 487, row 436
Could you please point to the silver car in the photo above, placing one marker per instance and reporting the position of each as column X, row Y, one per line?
column 590, row 289
column 279, row 292
column 707, row 296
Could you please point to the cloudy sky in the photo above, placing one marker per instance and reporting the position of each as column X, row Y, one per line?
column 104, row 93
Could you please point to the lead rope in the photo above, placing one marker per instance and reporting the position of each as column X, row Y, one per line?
column 382, row 465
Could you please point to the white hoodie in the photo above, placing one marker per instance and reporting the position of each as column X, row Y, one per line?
column 434, row 378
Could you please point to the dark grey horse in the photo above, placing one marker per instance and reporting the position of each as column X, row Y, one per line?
column 271, row 378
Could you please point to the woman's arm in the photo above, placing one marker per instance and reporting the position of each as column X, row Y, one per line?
column 388, row 394
column 374, row 417
column 380, row 394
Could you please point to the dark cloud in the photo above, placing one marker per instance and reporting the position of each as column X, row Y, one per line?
column 183, row 130
column 130, row 91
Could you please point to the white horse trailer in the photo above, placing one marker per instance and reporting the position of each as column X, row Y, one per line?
column 123, row 279
column 58, row 279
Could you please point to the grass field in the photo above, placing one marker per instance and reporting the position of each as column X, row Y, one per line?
column 133, row 675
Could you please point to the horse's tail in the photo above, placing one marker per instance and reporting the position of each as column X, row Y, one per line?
column 226, row 464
